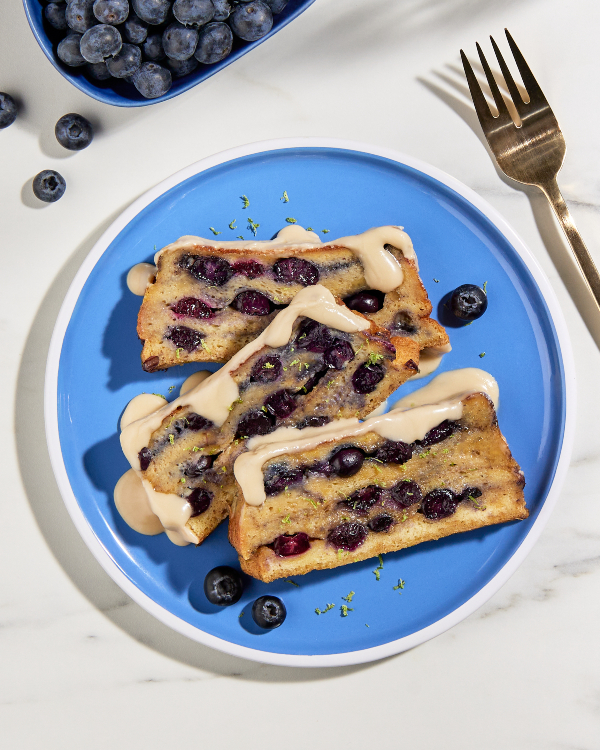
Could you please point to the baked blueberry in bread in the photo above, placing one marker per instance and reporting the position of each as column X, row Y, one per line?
column 209, row 299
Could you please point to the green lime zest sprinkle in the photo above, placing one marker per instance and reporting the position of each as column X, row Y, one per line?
column 374, row 358
column 437, row 281
column 240, row 237
column 485, row 287
column 171, row 388
column 172, row 439
column 345, row 609
column 289, row 580
column 204, row 345
column 241, row 614
column 232, row 224
column 404, row 517
column 245, row 200
column 252, row 226
column 327, row 608
column 482, row 355
column 290, row 220
column 366, row 626
column 284, row 197
column 286, row 519
column 182, row 480
column 475, row 503
column 325, row 231
column 312, row 502
column 179, row 349
column 160, row 395
column 214, row 231
column 195, row 448
column 268, row 366
column 309, row 229
column 349, row 597
column 378, row 568
column 400, row 585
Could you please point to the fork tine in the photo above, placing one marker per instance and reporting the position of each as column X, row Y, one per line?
column 486, row 119
column 515, row 94
column 535, row 93
column 503, row 112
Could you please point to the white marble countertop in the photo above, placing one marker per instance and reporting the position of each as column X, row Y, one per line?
column 84, row 666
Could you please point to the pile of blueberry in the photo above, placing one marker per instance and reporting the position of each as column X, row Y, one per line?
column 148, row 42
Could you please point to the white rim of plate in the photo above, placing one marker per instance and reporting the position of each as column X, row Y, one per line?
column 300, row 660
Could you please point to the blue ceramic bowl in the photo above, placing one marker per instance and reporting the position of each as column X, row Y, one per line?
column 123, row 94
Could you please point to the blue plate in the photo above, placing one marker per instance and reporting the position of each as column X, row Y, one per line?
column 123, row 94
column 94, row 370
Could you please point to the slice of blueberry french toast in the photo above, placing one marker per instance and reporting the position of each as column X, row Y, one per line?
column 316, row 362
column 350, row 491
column 209, row 299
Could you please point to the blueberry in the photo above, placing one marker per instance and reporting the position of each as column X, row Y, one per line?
column 281, row 403
column 69, row 52
column 190, row 307
column 180, row 68
column 80, row 15
column 254, row 423
column 223, row 586
column 312, row 381
column 215, row 271
column 195, row 422
column 291, row 544
column 381, row 523
column 198, row 467
column 338, row 354
column 266, row 370
column 179, row 42
column 439, row 503
column 215, row 41
column 268, row 612
column 403, row 324
column 153, row 12
column 438, row 433
column 200, row 501
column 470, row 493
column 126, row 63
column 251, row 21
column 252, row 303
column 468, row 302
column 56, row 16
column 279, row 479
column 366, row 378
column 100, row 42
column 394, row 452
column 98, row 71
column 348, row 536
column 135, row 30
column 364, row 499
column 276, row 5
column 313, row 422
column 111, row 11
column 145, row 456
column 152, row 80
column 251, row 269
column 222, row 9
column 185, row 338
column 347, row 461
column 314, row 336
column 292, row 270
column 153, row 48
column 369, row 301
column 193, row 12
column 49, row 186
column 405, row 493
column 74, row 132
column 8, row 110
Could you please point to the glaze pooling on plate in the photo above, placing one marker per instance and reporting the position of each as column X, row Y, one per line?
column 445, row 581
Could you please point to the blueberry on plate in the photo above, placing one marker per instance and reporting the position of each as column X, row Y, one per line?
column 49, row 186
column 223, row 586
column 468, row 302
column 74, row 132
column 8, row 110
column 268, row 612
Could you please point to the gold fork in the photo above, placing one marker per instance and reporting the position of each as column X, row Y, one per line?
column 532, row 152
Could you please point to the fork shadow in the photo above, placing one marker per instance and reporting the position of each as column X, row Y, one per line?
column 450, row 86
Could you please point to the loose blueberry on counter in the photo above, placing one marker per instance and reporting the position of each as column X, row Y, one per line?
column 126, row 63
column 287, row 545
column 69, row 52
column 80, row 15
column 112, row 12
column 291, row 270
column 49, row 186
column 153, row 12
column 439, row 503
column 281, row 403
column 468, row 302
column 223, row 586
column 366, row 378
column 190, row 307
column 348, row 536
column 185, row 338
column 56, row 16
column 8, row 110
column 347, row 462
column 135, row 30
column 252, row 303
column 215, row 41
column 200, row 501
column 266, row 370
column 369, row 301
column 100, row 42
column 179, row 41
column 193, row 12
column 268, row 612
column 251, row 21
column 74, row 132
column 152, row 80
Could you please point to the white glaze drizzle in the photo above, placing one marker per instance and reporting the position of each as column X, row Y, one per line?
column 139, row 277
column 408, row 421
column 131, row 500
column 430, row 359
column 382, row 271
column 194, row 379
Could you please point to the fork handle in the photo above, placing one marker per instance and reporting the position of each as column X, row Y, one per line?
column 582, row 255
